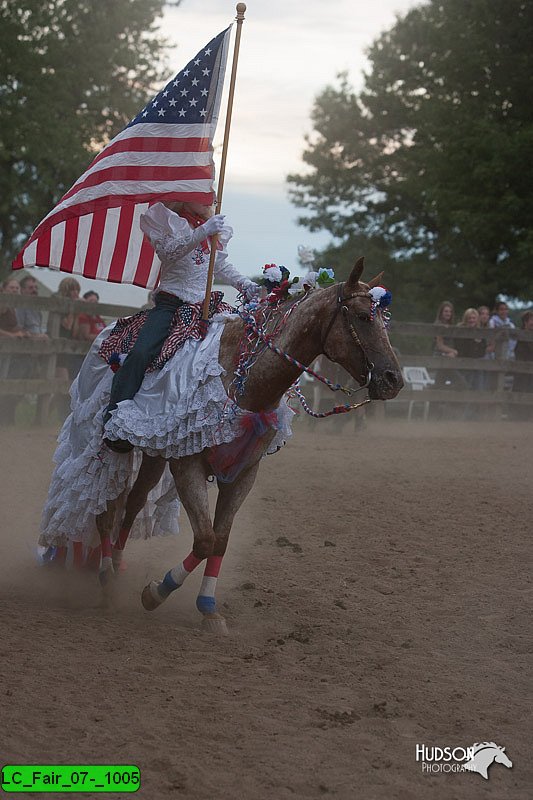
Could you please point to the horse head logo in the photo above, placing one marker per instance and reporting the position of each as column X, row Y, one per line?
column 484, row 753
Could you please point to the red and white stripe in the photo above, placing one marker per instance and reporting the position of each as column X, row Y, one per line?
column 94, row 230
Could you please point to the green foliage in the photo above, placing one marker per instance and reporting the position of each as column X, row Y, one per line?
column 72, row 74
column 429, row 167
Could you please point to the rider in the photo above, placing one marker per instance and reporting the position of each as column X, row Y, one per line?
column 181, row 235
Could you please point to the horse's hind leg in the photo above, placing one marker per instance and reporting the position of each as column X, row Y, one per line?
column 150, row 473
column 104, row 524
column 230, row 498
column 190, row 478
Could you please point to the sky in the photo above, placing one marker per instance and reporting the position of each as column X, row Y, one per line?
column 289, row 52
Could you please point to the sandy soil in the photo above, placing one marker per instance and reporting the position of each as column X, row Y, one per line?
column 377, row 592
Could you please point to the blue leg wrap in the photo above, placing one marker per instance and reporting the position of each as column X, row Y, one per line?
column 205, row 604
column 167, row 585
column 49, row 554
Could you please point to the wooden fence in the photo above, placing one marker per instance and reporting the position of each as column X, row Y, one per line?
column 44, row 382
column 414, row 345
column 499, row 373
column 405, row 337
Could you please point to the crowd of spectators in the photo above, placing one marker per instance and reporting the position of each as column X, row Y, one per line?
column 9, row 326
column 502, row 346
column 28, row 323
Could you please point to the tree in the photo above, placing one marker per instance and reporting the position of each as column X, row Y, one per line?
column 72, row 74
column 430, row 163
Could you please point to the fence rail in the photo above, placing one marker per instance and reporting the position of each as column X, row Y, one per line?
column 45, row 352
column 500, row 372
column 44, row 381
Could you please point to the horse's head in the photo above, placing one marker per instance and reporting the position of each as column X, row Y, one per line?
column 483, row 755
column 502, row 758
column 356, row 338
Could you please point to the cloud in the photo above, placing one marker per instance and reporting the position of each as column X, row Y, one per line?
column 290, row 50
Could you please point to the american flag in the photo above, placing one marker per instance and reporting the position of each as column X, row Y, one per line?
column 164, row 154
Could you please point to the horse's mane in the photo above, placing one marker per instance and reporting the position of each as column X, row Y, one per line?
column 283, row 307
column 482, row 745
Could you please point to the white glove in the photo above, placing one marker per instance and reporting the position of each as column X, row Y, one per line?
column 214, row 225
column 250, row 290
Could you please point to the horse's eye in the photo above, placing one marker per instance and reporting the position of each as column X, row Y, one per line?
column 363, row 317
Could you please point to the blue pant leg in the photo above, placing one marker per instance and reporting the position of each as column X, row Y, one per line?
column 128, row 379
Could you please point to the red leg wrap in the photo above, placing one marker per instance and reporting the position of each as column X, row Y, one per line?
column 191, row 562
column 106, row 547
column 78, row 555
column 212, row 567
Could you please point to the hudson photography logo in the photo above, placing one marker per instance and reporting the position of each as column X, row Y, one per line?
column 476, row 758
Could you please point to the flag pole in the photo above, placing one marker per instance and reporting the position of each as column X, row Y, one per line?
column 241, row 8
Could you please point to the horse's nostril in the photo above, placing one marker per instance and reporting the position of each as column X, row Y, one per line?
column 391, row 378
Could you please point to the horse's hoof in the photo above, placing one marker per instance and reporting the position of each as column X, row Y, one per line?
column 215, row 624
column 105, row 578
column 150, row 597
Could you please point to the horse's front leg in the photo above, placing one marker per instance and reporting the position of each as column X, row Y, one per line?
column 189, row 475
column 149, row 475
column 230, row 498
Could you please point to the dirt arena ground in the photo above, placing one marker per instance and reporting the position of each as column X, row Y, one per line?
column 378, row 593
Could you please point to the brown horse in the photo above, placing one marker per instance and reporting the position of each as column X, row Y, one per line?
column 336, row 322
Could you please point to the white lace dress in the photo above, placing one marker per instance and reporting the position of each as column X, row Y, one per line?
column 179, row 410
column 184, row 255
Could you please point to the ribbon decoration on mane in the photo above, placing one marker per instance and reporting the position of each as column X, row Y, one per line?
column 164, row 154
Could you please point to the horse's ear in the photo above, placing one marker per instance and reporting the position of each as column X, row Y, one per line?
column 375, row 281
column 355, row 275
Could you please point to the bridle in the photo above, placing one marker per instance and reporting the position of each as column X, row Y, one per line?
column 340, row 307
column 253, row 328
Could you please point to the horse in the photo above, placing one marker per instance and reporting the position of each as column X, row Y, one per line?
column 338, row 322
column 485, row 753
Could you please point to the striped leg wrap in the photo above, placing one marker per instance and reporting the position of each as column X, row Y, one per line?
column 205, row 602
column 119, row 546
column 107, row 560
column 175, row 577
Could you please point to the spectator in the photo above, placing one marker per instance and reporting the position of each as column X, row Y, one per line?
column 524, row 352
column 89, row 325
column 444, row 346
column 484, row 316
column 70, row 289
column 9, row 326
column 490, row 379
column 9, row 329
column 30, row 320
column 445, row 316
column 472, row 348
column 505, row 345
column 67, row 364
